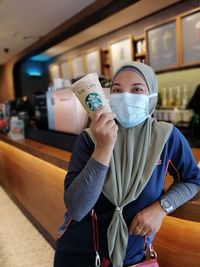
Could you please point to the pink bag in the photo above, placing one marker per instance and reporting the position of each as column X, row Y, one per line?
column 151, row 260
column 147, row 263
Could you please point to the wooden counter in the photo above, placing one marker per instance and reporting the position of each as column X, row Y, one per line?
column 55, row 156
column 33, row 174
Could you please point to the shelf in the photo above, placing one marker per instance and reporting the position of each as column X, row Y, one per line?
column 137, row 55
column 105, row 62
column 139, row 45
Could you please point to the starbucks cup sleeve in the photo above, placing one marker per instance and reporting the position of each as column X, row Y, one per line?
column 90, row 93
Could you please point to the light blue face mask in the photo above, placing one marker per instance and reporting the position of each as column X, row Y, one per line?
column 130, row 109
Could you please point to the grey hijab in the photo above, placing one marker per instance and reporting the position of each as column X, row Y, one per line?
column 134, row 158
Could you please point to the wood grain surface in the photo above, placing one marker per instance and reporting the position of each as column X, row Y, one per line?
column 36, row 184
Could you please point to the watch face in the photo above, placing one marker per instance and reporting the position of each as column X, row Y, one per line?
column 166, row 205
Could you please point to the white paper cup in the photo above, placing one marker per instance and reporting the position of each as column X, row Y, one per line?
column 90, row 93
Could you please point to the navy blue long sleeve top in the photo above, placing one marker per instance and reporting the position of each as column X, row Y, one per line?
column 83, row 191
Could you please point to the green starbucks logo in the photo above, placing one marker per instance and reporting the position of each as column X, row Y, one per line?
column 93, row 101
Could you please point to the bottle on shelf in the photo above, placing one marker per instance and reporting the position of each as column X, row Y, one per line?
column 144, row 46
column 184, row 96
column 178, row 96
column 164, row 97
column 171, row 97
column 139, row 49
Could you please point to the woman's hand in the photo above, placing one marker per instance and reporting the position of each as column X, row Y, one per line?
column 104, row 127
column 148, row 220
column 105, row 130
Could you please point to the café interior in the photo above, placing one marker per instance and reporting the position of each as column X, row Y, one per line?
column 35, row 97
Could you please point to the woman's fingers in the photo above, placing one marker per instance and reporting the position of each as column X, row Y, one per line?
column 141, row 230
column 104, row 127
column 102, row 116
column 148, row 220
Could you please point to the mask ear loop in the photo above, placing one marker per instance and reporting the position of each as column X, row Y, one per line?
column 153, row 95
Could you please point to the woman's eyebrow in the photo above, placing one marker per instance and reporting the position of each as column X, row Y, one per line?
column 138, row 84
column 115, row 84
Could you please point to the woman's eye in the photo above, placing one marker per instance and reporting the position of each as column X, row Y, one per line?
column 137, row 90
column 115, row 90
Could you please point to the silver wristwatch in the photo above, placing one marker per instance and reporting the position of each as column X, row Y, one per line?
column 166, row 205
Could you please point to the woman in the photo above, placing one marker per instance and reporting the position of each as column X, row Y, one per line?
column 118, row 168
